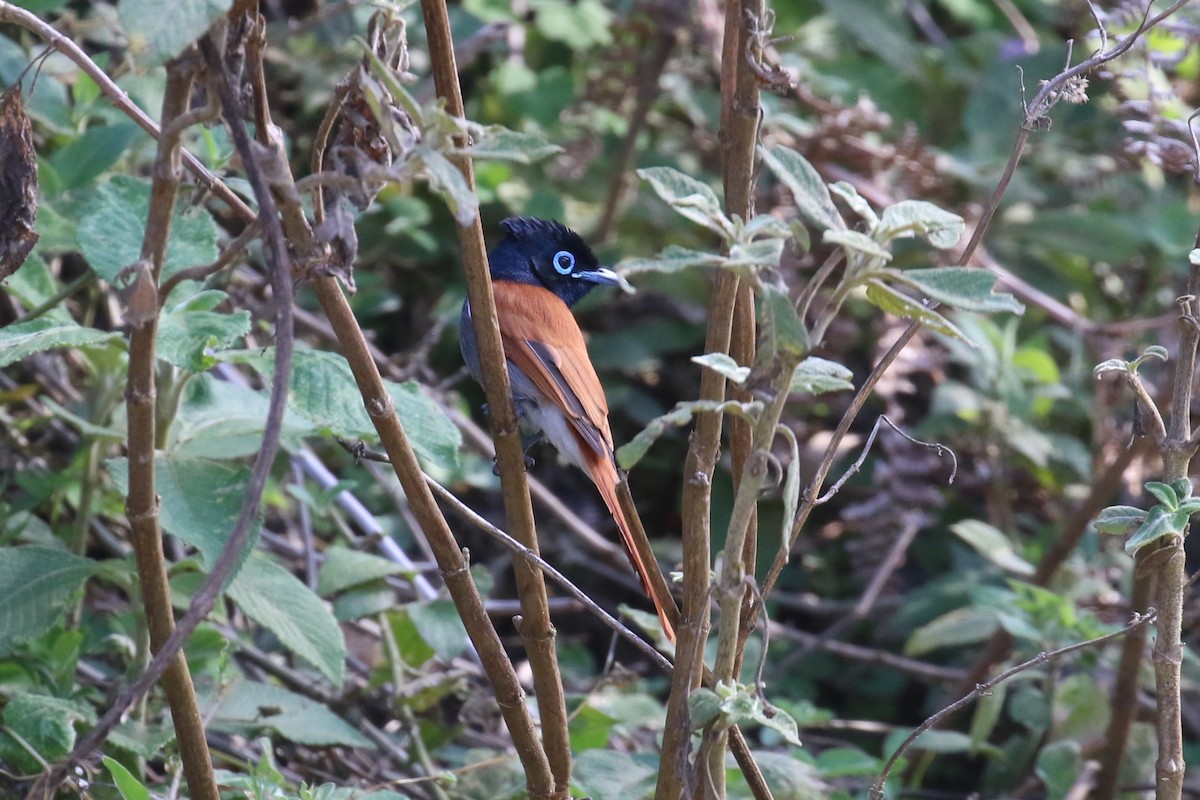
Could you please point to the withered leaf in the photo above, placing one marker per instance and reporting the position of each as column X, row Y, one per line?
column 18, row 183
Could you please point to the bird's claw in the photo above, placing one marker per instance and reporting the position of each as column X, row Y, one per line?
column 529, row 462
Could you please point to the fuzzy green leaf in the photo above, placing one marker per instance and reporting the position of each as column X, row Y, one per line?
column 630, row 454
column 723, row 364
column 1120, row 520
column 199, row 499
column 808, row 189
column 1165, row 493
column 857, row 242
column 919, row 218
column 156, row 37
column 249, row 706
column 497, row 143
column 1159, row 523
column 22, row 339
column 113, row 224
column 693, row 199
column 277, row 600
column 38, row 584
column 815, row 375
column 893, row 302
column 344, row 568
column 672, row 259
column 960, row 287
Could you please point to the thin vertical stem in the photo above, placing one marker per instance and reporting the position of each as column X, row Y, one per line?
column 534, row 625
column 141, row 397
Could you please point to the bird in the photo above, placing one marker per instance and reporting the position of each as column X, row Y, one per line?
column 539, row 270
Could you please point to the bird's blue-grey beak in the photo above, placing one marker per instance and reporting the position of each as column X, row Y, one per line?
column 606, row 276
column 601, row 275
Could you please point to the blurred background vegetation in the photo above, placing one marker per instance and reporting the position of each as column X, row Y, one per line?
column 902, row 100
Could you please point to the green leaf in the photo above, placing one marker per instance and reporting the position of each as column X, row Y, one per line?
column 497, row 143
column 1159, row 523
column 199, row 499
column 919, row 218
column 1120, row 520
column 993, row 545
column 344, row 568
column 1182, row 488
column 590, row 728
column 614, row 775
column 815, row 375
column 129, row 787
column 113, row 224
column 751, row 256
column 891, row 301
column 432, row 434
column 987, row 714
column 955, row 628
column 253, row 706
column 156, row 37
column 277, row 600
column 578, row 25
column 22, row 339
column 1111, row 365
column 91, row 154
column 38, row 584
column 220, row 420
column 691, row 198
column 188, row 335
column 842, row 762
column 446, row 179
column 1189, row 507
column 858, row 204
column 47, row 724
column 1059, row 765
column 789, row 777
column 439, row 626
column 780, row 328
column 1165, row 494
column 808, row 190
column 323, row 391
column 704, row 707
column 672, row 259
column 723, row 364
column 857, row 242
column 791, row 485
column 629, row 454
column 960, row 287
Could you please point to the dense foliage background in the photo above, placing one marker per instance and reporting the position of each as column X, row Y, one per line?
column 330, row 663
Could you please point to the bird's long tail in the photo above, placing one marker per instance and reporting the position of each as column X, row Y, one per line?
column 604, row 474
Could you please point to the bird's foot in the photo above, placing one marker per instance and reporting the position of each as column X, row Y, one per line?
column 529, row 462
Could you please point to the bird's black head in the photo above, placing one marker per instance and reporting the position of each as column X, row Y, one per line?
column 548, row 254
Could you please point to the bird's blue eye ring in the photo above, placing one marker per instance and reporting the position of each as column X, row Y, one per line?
column 564, row 262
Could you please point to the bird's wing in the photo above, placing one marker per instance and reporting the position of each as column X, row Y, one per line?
column 543, row 340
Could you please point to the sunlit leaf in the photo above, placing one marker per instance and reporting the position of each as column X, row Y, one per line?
column 900, row 305
column 919, row 218
column 690, row 197
column 725, row 365
column 960, row 287
column 808, row 189
column 22, row 339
